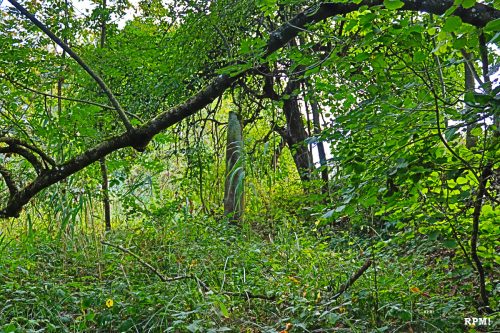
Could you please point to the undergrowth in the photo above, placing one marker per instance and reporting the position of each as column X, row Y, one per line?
column 230, row 279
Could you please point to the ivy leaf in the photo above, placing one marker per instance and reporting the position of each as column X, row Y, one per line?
column 493, row 26
column 393, row 4
column 452, row 24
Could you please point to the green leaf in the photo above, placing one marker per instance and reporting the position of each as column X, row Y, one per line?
column 495, row 38
column 223, row 309
column 194, row 326
column 450, row 243
column 493, row 26
column 459, row 43
column 452, row 24
column 393, row 4
column 328, row 214
column 419, row 56
column 450, row 133
column 340, row 208
column 477, row 131
column 90, row 316
column 9, row 328
column 361, row 56
column 469, row 97
column 482, row 99
column 468, row 3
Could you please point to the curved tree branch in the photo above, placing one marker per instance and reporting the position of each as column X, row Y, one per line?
column 138, row 138
column 16, row 142
column 11, row 185
column 65, row 47
column 15, row 149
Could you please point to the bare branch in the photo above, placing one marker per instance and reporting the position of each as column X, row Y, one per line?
column 351, row 280
column 104, row 106
column 245, row 294
column 140, row 260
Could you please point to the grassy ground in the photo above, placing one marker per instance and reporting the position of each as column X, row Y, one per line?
column 230, row 279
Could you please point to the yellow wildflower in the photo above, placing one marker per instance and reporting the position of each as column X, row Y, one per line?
column 109, row 303
column 415, row 290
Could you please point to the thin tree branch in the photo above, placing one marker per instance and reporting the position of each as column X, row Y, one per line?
column 56, row 96
column 249, row 295
column 351, row 281
column 11, row 185
column 65, row 47
column 147, row 265
column 478, row 204
column 245, row 294
column 15, row 149
column 443, row 139
column 16, row 142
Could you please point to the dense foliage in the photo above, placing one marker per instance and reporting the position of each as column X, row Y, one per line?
column 366, row 180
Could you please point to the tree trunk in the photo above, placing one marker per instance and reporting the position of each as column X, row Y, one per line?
column 321, row 147
column 234, row 185
column 102, row 161
column 105, row 194
column 296, row 134
column 470, row 140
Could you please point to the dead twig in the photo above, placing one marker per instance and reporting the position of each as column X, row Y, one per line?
column 351, row 281
column 147, row 265
column 202, row 284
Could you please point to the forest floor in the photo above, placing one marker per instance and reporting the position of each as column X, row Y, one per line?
column 220, row 278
